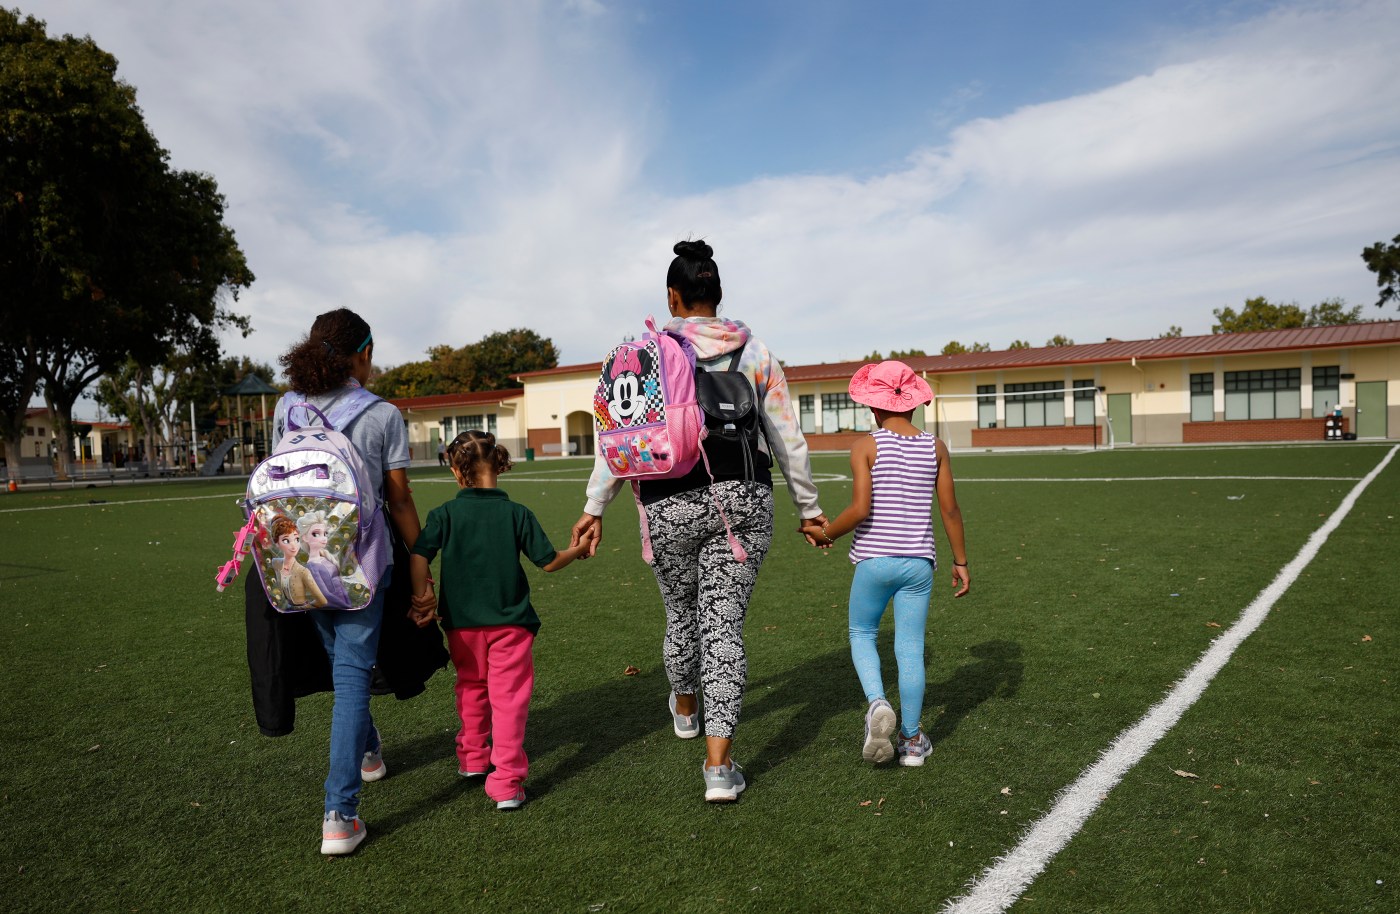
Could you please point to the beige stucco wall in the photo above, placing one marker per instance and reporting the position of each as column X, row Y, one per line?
column 550, row 400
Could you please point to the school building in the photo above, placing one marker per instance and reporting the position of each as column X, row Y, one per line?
column 1271, row 385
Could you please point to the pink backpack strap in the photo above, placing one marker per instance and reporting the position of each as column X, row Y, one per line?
column 740, row 554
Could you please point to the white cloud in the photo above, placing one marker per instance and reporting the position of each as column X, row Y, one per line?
column 450, row 169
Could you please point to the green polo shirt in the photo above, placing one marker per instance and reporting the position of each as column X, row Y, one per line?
column 481, row 534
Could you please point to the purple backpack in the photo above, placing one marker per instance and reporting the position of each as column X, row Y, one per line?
column 319, row 539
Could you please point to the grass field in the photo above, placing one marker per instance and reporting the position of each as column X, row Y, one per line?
column 133, row 777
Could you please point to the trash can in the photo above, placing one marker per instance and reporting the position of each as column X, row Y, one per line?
column 529, row 453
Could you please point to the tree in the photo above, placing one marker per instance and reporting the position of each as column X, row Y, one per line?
column 1173, row 332
column 895, row 355
column 1019, row 344
column 956, row 348
column 105, row 253
column 1260, row 314
column 1384, row 260
column 1059, row 339
column 484, row 365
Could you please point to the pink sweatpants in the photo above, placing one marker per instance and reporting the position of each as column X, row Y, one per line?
column 495, row 676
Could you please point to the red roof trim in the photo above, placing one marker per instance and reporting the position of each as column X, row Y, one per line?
column 1186, row 347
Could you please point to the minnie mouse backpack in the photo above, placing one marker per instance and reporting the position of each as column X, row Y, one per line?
column 648, row 423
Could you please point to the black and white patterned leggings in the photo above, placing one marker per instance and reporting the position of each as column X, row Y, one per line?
column 706, row 591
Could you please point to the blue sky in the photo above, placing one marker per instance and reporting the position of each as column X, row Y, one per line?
column 872, row 175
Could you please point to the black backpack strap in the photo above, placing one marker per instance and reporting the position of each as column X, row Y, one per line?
column 734, row 359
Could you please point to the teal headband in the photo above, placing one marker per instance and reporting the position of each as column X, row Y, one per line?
column 369, row 339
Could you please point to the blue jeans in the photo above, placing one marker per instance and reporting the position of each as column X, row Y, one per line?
column 908, row 580
column 351, row 638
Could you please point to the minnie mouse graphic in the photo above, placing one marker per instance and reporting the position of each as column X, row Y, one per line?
column 627, row 398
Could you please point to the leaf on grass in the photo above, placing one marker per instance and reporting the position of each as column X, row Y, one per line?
column 1212, row 625
column 94, row 748
column 880, row 803
column 1365, row 637
column 770, row 628
column 866, row 802
column 631, row 670
column 1314, row 783
column 1006, row 791
column 1184, row 774
column 194, row 804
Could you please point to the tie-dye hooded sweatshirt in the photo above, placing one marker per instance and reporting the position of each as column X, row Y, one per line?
column 715, row 338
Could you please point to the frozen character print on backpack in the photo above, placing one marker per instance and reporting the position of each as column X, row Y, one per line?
column 293, row 582
column 317, row 529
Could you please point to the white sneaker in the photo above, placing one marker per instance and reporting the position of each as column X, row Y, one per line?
column 341, row 835
column 880, row 723
column 914, row 749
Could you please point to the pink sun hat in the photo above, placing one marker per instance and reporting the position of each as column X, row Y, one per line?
column 891, row 386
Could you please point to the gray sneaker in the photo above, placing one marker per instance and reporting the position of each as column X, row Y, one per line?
column 723, row 783
column 880, row 723
column 914, row 749
column 687, row 726
column 372, row 766
column 341, row 834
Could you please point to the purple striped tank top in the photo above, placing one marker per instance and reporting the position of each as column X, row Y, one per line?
column 901, row 499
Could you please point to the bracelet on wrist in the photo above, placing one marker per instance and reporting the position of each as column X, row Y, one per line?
column 961, row 564
column 826, row 536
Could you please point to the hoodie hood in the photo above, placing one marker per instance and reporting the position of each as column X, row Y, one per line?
column 712, row 337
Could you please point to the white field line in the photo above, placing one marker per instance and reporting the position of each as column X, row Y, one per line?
column 816, row 477
column 1001, row 884
column 114, row 504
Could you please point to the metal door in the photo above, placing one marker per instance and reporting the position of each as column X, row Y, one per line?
column 1120, row 415
column 1370, row 409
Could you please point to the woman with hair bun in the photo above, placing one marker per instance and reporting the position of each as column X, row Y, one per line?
column 328, row 369
column 704, row 584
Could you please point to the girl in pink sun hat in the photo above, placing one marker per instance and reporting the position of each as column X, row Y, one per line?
column 896, row 471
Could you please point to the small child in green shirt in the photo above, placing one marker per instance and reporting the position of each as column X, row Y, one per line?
column 485, row 608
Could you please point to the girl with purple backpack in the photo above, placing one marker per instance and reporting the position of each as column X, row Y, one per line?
column 328, row 369
column 703, row 524
column 895, row 472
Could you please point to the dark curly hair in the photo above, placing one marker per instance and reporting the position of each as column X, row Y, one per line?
column 472, row 449
column 320, row 363
column 694, row 274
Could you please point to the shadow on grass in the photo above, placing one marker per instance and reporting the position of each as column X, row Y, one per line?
column 996, row 672
column 805, row 688
column 604, row 719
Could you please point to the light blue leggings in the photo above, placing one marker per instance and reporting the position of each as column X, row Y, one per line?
column 908, row 581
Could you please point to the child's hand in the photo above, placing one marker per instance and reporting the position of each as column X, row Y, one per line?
column 962, row 581
column 814, row 535
column 586, row 540
column 423, row 607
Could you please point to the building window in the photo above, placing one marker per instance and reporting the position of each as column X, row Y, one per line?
column 1083, row 401
column 1034, row 404
column 1326, row 389
column 446, row 428
column 1203, row 397
column 841, row 413
column 1270, row 393
column 491, row 423
column 986, row 406
column 807, row 412
column 467, row 423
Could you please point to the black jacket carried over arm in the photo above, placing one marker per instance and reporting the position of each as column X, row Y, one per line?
column 286, row 659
